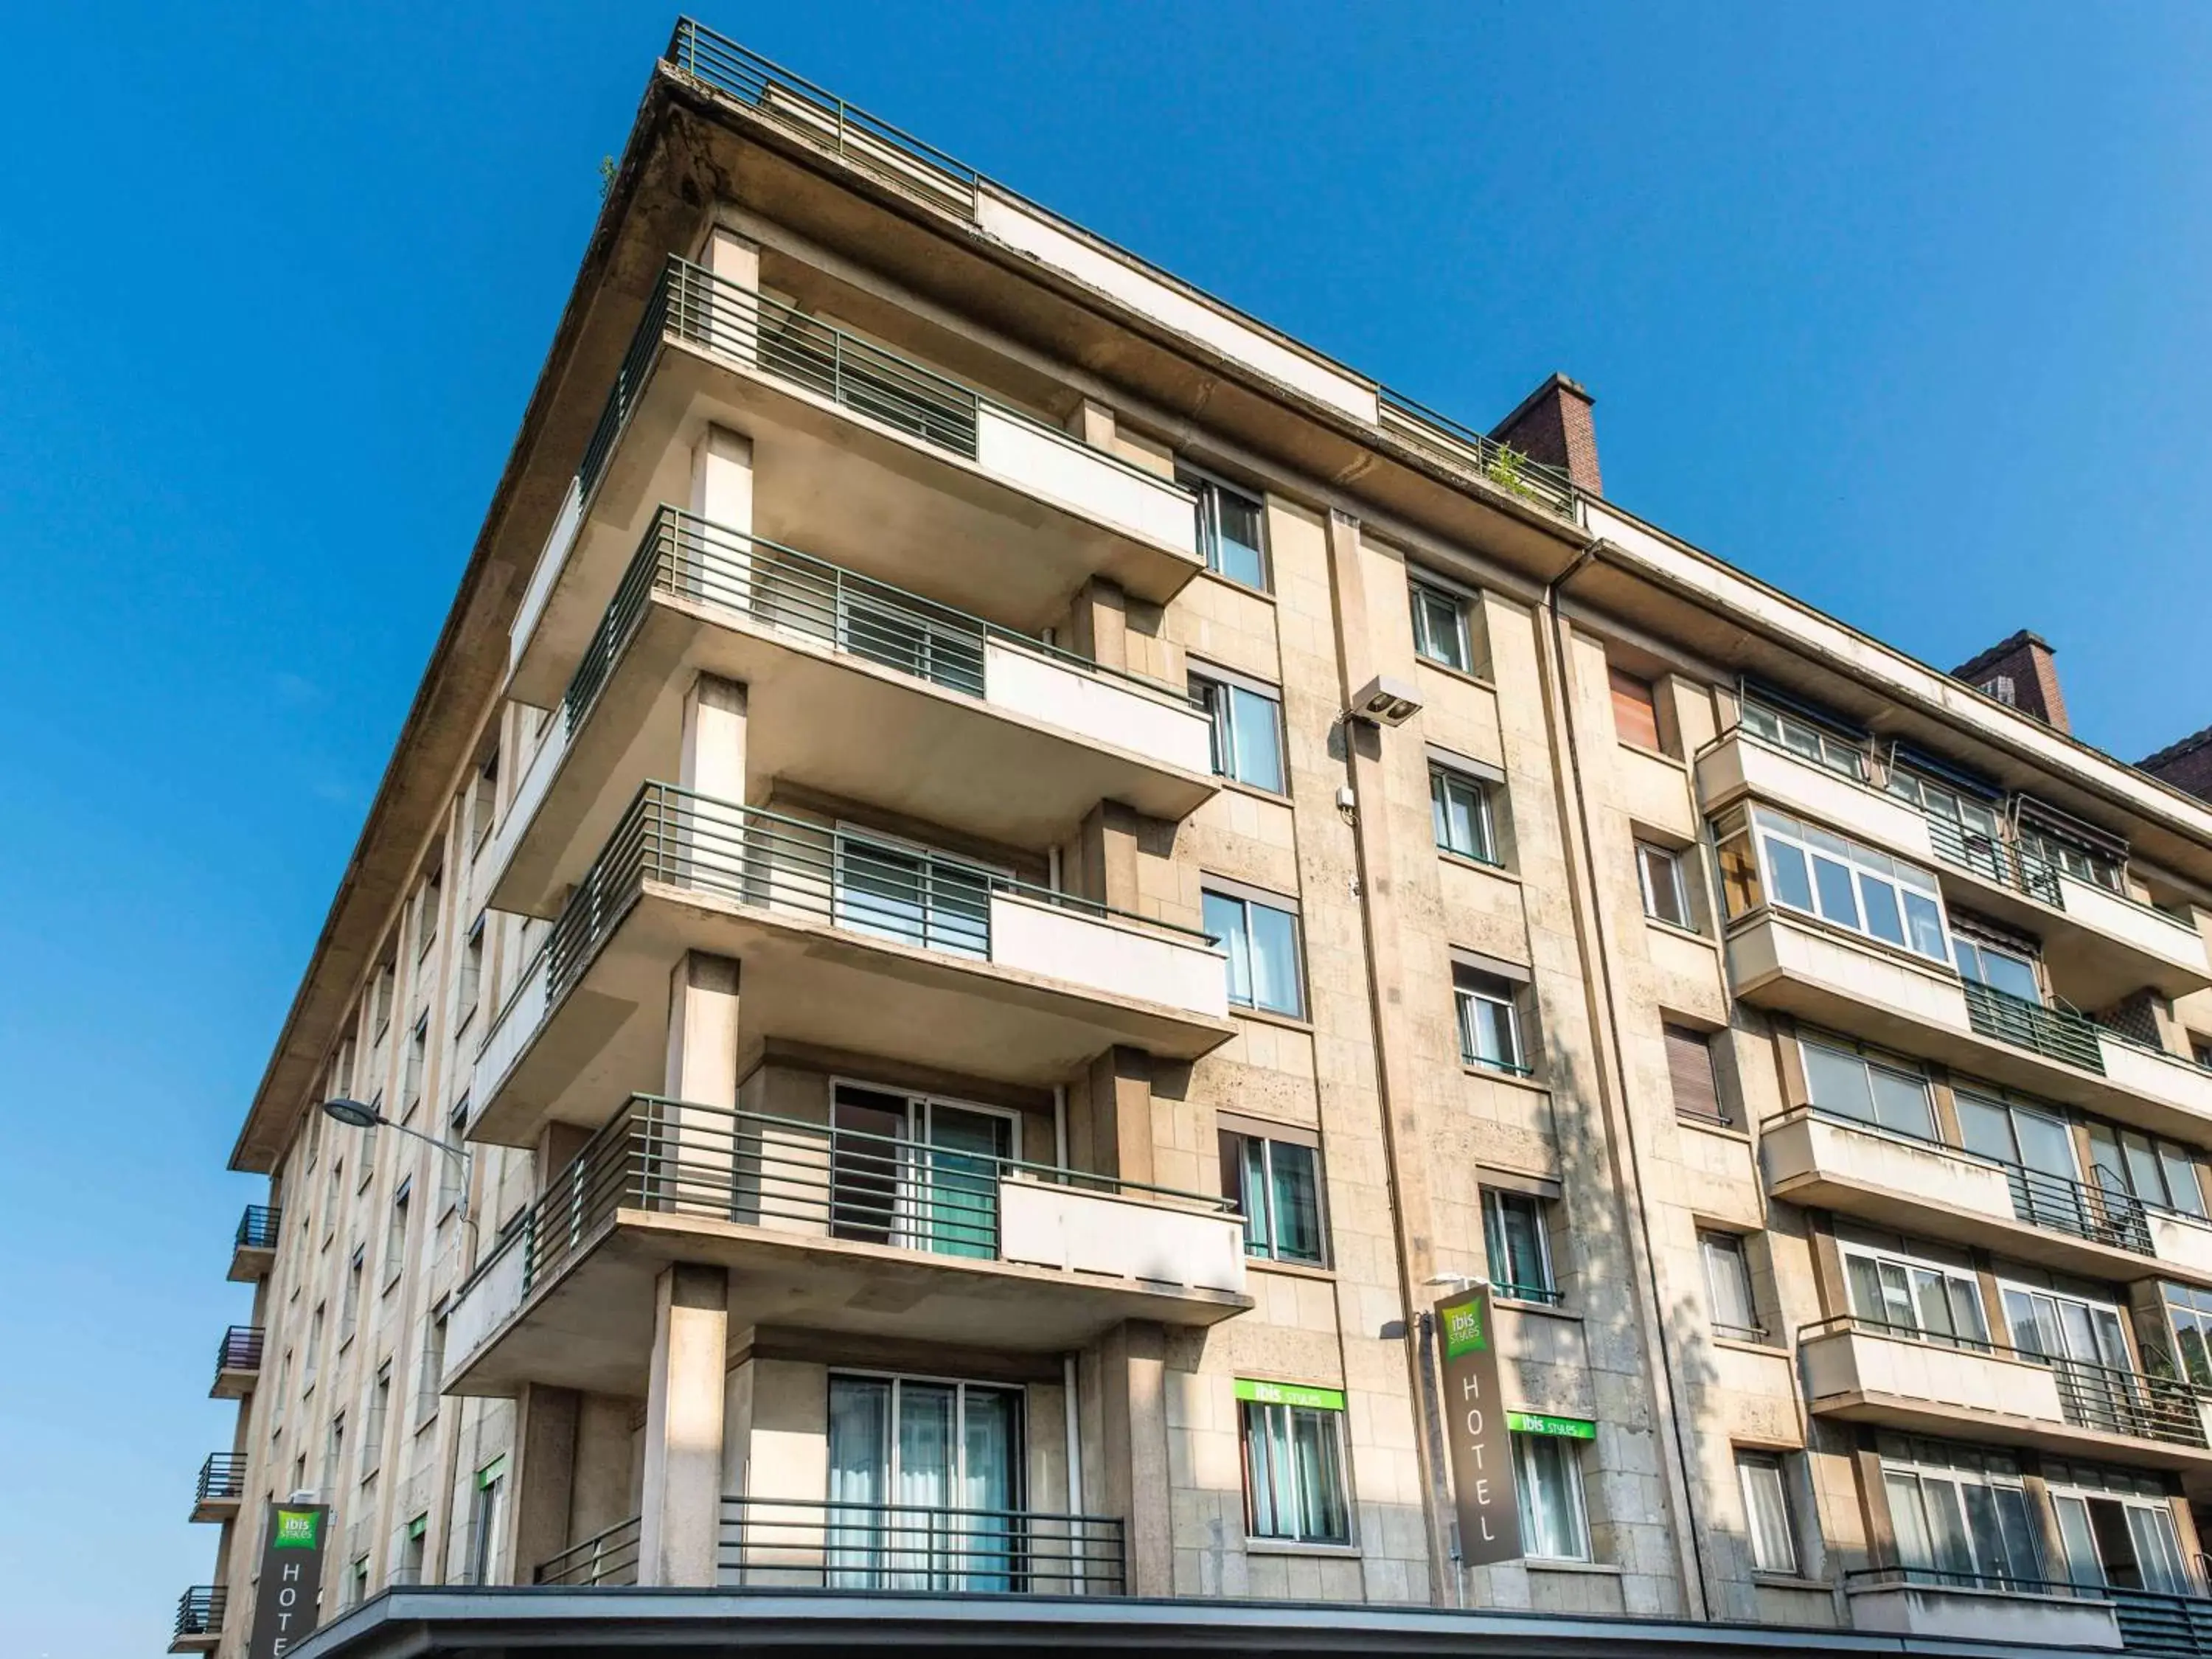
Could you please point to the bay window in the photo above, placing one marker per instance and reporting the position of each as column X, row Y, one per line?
column 1842, row 1079
column 1909, row 1297
column 1769, row 857
column 1959, row 1515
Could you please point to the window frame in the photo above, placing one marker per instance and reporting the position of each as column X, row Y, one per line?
column 1262, row 1416
column 1443, row 779
column 1576, row 1507
column 1625, row 687
column 1246, row 899
column 1237, row 1188
column 1774, row 1463
column 1714, row 1245
column 1424, row 591
column 1467, row 993
column 1207, row 490
column 1819, row 746
column 1217, row 690
column 1960, row 1287
column 1496, row 1201
column 1651, row 854
column 1876, row 1067
column 1759, row 829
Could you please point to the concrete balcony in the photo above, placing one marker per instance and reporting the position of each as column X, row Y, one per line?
column 1863, row 1371
column 221, row 1487
column 199, row 1619
column 854, row 446
column 847, row 942
column 854, row 688
column 1934, row 1191
column 1975, row 1608
column 2099, row 946
column 824, row 1228
column 1802, row 966
column 253, row 1246
column 237, row 1363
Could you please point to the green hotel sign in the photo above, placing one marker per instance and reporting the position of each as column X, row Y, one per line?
column 1290, row 1394
column 1565, row 1428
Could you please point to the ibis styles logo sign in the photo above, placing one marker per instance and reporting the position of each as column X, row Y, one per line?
column 284, row 1605
column 1479, row 1435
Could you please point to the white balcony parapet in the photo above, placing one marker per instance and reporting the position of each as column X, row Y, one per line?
column 1078, row 1231
column 547, row 572
column 511, row 1033
column 1739, row 763
column 2141, row 927
column 1807, row 1146
column 1122, row 960
column 2157, row 1075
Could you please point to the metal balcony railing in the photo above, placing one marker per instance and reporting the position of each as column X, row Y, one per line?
column 1463, row 446
column 609, row 1559
column 1991, row 1582
column 793, row 1543
column 223, row 1477
column 686, row 557
column 1995, row 859
column 257, row 1228
column 2054, row 1033
column 889, row 890
column 821, row 117
column 789, row 1175
column 200, row 1610
column 2090, row 1396
column 240, row 1350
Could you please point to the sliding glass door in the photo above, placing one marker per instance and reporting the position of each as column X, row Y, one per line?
column 925, row 1484
column 917, row 1172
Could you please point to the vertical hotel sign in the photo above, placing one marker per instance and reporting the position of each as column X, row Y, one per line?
column 1475, row 1424
column 291, row 1578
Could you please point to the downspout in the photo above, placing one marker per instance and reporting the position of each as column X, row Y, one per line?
column 1583, row 894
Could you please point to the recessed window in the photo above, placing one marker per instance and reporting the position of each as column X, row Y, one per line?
column 1843, row 1081
column 1520, row 1252
column 1246, row 724
column 1803, row 737
column 484, row 801
column 1460, row 809
column 1489, row 1021
column 1294, row 1485
column 1262, row 943
column 1803, row 867
column 431, row 1374
column 395, row 1233
column 1549, row 1472
column 1230, row 532
column 1767, row 1523
column 1276, row 1187
column 380, row 1409
column 1728, row 1283
column 1665, row 894
column 1635, row 710
column 1691, row 1074
column 1441, row 633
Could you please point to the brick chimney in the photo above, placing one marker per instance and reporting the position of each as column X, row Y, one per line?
column 1552, row 425
column 2019, row 670
column 2186, row 765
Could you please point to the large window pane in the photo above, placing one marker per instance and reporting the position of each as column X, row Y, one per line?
column 1901, row 1103
column 1766, row 1513
column 1258, row 723
column 1460, row 806
column 1786, row 866
column 1838, row 896
column 1838, row 1082
column 1294, row 1474
column 1294, row 1197
column 1550, row 1497
column 1275, row 960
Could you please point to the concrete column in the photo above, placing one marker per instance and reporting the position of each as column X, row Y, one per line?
column 604, row 1488
column 1093, row 423
column 723, row 316
column 544, row 1464
column 1098, row 624
column 1109, row 1128
column 714, row 752
column 1133, row 1435
column 703, row 1030
column 712, row 555
column 681, row 1517
column 707, row 843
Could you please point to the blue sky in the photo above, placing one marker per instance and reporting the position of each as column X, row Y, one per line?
column 1900, row 308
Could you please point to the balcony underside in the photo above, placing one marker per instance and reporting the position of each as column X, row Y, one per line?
column 826, row 720
column 215, row 1509
column 233, row 1382
column 1910, row 1212
column 845, row 488
column 1977, row 1426
column 808, row 981
column 1781, row 966
column 250, row 1263
column 591, row 1326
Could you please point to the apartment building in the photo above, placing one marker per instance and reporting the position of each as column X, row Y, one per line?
column 1001, row 872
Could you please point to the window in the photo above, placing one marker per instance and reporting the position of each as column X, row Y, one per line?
column 1728, row 1282
column 1520, row 1253
column 1459, row 804
column 484, row 801
column 903, row 890
column 470, row 989
column 411, row 1548
column 1766, row 1512
column 350, row 1306
column 1294, row 1462
column 379, row 1410
column 2116, row 1527
column 1276, row 1186
column 1805, row 737
column 1690, row 1071
column 314, row 1349
column 1634, row 713
column 2083, row 1341
column 380, row 1018
column 1548, row 1469
column 453, row 1172
column 1806, row 868
column 1440, row 626
column 1843, row 1081
column 1489, row 1021
column 1230, row 532
column 395, row 1233
column 1247, row 720
column 486, row 1513
column 1964, row 828
column 426, row 914
column 333, row 1192
column 2001, row 968
column 430, row 1378
column 418, row 1053
column 1666, row 896
column 1958, row 1512
column 2160, row 1173
column 1262, row 945
column 333, row 1456
column 2200, row 1050
column 917, row 1172
column 2038, row 1140
column 1903, row 1296
column 2188, row 1310
column 935, row 1446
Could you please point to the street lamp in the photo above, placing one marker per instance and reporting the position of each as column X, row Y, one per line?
column 354, row 1115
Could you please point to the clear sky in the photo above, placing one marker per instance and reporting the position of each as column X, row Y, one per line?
column 1901, row 307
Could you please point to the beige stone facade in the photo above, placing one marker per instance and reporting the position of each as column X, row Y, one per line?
column 799, row 888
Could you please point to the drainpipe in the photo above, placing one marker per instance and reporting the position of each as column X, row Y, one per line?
column 1613, row 1083
column 1074, row 1431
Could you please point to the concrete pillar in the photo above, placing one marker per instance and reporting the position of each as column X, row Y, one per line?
column 713, row 751
column 1109, row 1128
column 681, row 1517
column 711, row 558
column 1134, row 1436
column 603, row 1489
column 705, row 840
column 1093, row 423
column 724, row 315
column 1098, row 625
column 703, row 1030
column 544, row 1464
